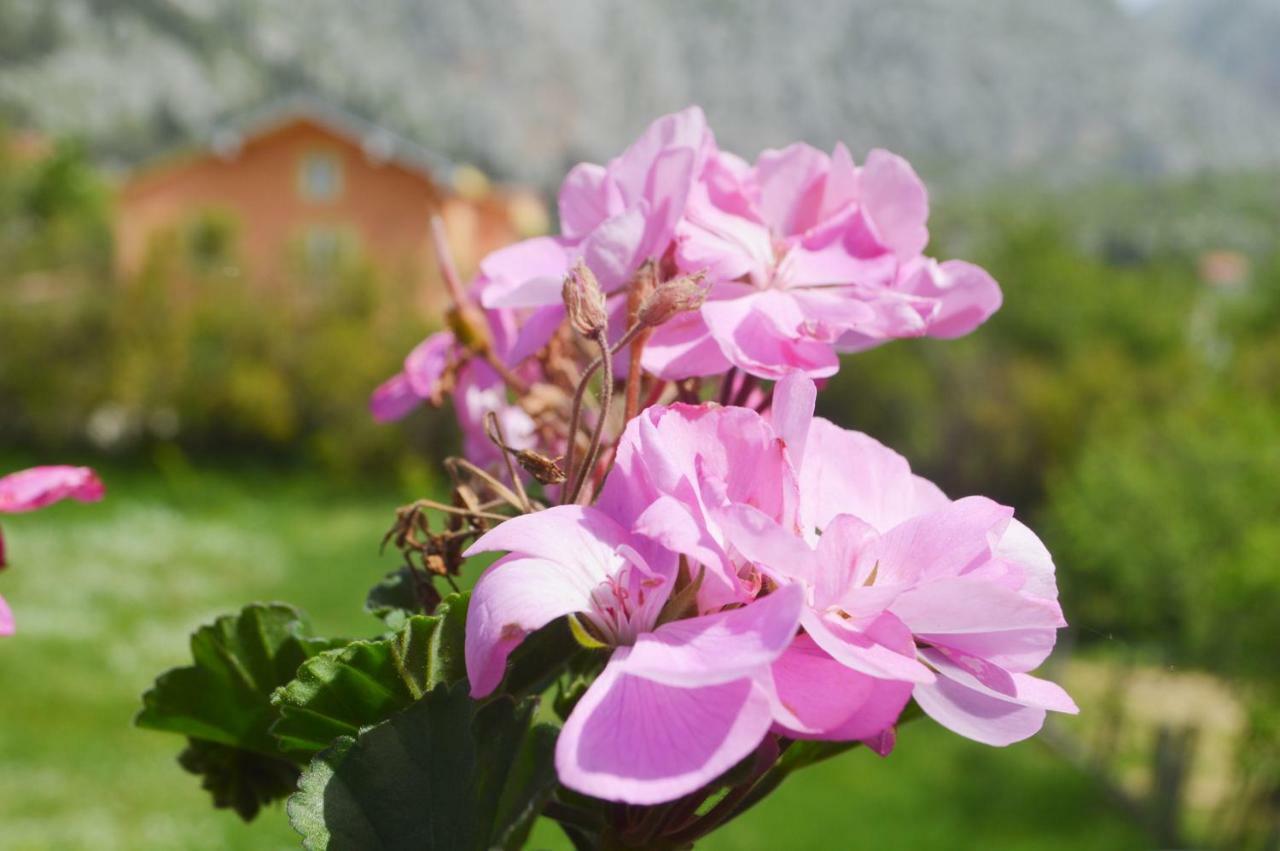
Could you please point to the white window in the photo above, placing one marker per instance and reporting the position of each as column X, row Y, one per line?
column 320, row 176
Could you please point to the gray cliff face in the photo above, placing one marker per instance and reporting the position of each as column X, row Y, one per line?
column 971, row 90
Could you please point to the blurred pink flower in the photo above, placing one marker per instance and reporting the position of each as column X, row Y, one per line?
column 28, row 490
column 678, row 703
column 809, row 255
column 614, row 217
column 37, row 487
column 439, row 368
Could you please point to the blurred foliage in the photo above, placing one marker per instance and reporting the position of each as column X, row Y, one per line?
column 191, row 350
column 1126, row 400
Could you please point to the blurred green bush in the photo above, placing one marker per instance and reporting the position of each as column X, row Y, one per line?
column 190, row 352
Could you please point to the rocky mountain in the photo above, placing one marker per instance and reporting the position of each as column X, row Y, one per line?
column 972, row 90
column 1240, row 38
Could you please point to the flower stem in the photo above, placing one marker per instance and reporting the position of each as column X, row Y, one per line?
column 575, row 416
column 606, row 400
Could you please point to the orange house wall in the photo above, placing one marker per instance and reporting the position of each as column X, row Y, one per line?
column 384, row 205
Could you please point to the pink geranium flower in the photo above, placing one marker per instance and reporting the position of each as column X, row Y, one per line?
column 441, row 367
column 811, row 254
column 37, row 487
column 678, row 466
column 885, row 553
column 678, row 703
column 613, row 216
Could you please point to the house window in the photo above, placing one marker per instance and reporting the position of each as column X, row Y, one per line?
column 320, row 176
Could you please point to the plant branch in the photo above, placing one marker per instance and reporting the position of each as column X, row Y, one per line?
column 606, row 401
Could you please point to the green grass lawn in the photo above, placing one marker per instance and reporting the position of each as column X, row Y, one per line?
column 105, row 596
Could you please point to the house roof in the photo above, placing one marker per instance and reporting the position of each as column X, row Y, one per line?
column 378, row 142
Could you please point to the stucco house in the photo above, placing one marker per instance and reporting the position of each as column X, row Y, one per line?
column 303, row 181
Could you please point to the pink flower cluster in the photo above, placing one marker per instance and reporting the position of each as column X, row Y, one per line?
column 37, row 487
column 835, row 586
column 750, row 571
column 807, row 255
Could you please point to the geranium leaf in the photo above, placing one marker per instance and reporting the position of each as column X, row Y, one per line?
column 340, row 691
column 225, row 697
column 444, row 773
column 238, row 779
column 400, row 594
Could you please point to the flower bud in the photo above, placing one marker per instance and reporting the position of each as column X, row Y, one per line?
column 469, row 327
column 584, row 300
column 546, row 470
column 678, row 295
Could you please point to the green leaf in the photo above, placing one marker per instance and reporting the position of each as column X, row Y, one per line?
column 341, row 691
column 225, row 697
column 400, row 595
column 445, row 773
column 238, row 779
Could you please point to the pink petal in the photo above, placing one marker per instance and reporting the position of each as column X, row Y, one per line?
column 847, row 472
column 28, row 490
column 679, row 527
column 584, row 200
column 861, row 651
column 426, row 364
column 584, row 539
column 513, row 598
column 1015, row 650
column 1020, row 546
column 613, row 250
column 682, row 348
column 765, row 335
column 791, row 182
column 841, row 188
column 641, row 742
column 986, row 678
column 942, row 543
column 535, row 332
column 509, row 269
column 719, row 648
column 896, row 200
column 792, row 412
column 978, row 716
column 783, row 555
column 393, row 399
column 727, row 245
column 830, row 701
column 960, row 605
column 966, row 296
column 6, row 618
column 845, row 558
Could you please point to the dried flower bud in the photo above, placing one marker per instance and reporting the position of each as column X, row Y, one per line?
column 643, row 283
column 584, row 300
column 469, row 327
column 678, row 295
column 542, row 468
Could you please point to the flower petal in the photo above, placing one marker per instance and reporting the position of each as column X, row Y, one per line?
column 28, row 490
column 978, row 716
column 960, row 605
column 393, row 399
column 6, row 618
column 719, row 648
column 860, row 651
column 792, row 412
column 514, row 597
column 942, row 543
column 848, row 472
column 633, row 740
column 831, row 701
